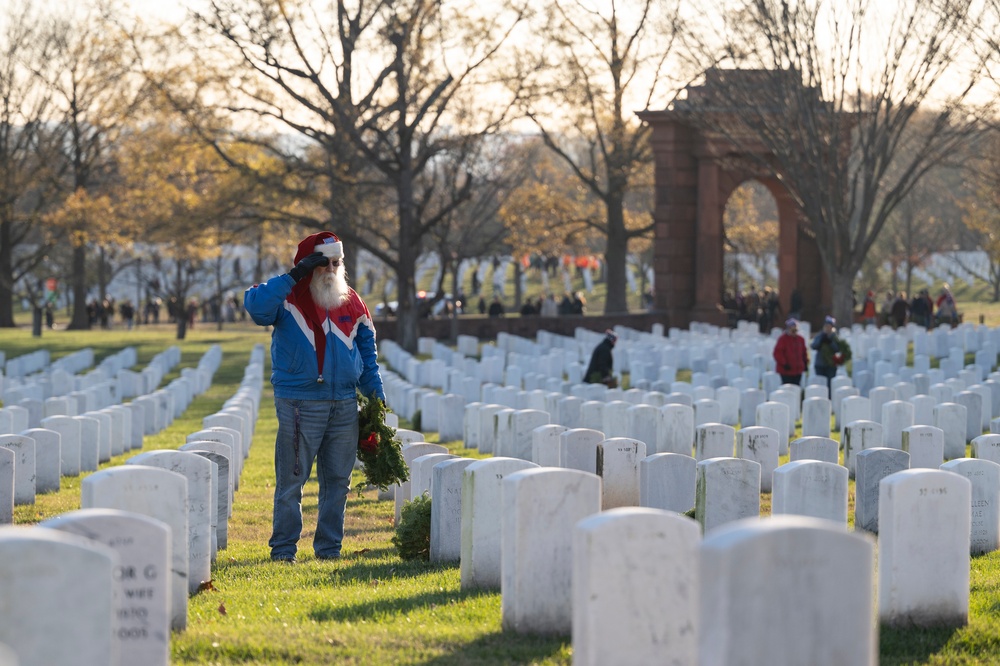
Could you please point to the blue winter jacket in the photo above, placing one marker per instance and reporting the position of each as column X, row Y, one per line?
column 349, row 356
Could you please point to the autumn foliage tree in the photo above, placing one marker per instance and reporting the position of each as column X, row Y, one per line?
column 94, row 93
column 186, row 198
column 751, row 227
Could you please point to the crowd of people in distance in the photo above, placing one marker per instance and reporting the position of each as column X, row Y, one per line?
column 761, row 306
column 545, row 306
column 110, row 313
column 896, row 310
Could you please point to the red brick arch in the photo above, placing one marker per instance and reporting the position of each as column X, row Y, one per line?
column 695, row 175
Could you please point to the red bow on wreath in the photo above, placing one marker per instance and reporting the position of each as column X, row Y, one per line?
column 369, row 445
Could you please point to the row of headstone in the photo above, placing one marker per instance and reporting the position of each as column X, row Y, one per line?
column 555, row 579
column 921, row 443
column 69, row 442
column 152, row 529
column 525, row 611
column 717, row 357
column 61, row 377
column 26, row 364
column 525, row 551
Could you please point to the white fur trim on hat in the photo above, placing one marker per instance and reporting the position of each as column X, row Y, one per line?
column 331, row 248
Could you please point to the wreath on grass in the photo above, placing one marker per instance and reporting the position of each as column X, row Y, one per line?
column 413, row 534
column 379, row 451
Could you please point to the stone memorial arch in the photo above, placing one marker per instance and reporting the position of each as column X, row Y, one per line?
column 696, row 171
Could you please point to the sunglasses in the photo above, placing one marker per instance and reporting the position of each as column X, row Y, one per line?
column 331, row 262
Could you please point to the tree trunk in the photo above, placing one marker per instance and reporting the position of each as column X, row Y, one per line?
column 843, row 307
column 407, row 316
column 456, row 286
column 80, row 320
column 614, row 257
column 180, row 289
column 351, row 266
column 258, row 266
column 406, row 311
column 518, row 295
column 6, row 278
column 36, row 321
column 218, row 294
column 102, row 274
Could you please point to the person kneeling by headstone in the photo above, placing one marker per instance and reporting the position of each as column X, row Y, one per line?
column 602, row 362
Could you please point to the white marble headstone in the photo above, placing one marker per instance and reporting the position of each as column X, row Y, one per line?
column 200, row 476
column 924, row 537
column 157, row 493
column 143, row 547
column 64, row 590
column 540, row 509
column 809, row 574
column 633, row 574
column 481, row 518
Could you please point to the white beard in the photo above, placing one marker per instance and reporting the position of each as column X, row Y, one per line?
column 329, row 290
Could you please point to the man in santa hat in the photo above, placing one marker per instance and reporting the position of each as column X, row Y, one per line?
column 322, row 351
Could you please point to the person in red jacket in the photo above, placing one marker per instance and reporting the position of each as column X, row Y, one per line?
column 790, row 354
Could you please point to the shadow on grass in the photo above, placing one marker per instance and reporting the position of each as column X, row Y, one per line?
column 369, row 567
column 395, row 606
column 358, row 566
column 504, row 648
column 909, row 645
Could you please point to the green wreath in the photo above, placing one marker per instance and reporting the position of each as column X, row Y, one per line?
column 379, row 451
column 830, row 358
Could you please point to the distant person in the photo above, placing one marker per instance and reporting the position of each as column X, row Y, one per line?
column 900, row 311
column 549, row 307
column 599, row 371
column 790, row 354
column 920, row 309
column 482, row 305
column 496, row 307
column 827, row 347
column 885, row 313
column 947, row 311
column 566, row 304
column 868, row 313
column 127, row 313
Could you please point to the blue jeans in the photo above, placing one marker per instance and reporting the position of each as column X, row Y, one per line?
column 324, row 431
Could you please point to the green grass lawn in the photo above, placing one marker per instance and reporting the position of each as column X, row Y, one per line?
column 370, row 607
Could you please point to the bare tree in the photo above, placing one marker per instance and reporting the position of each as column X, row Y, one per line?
column 28, row 155
column 849, row 104
column 476, row 229
column 595, row 57
column 94, row 92
column 981, row 209
column 925, row 222
column 375, row 84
